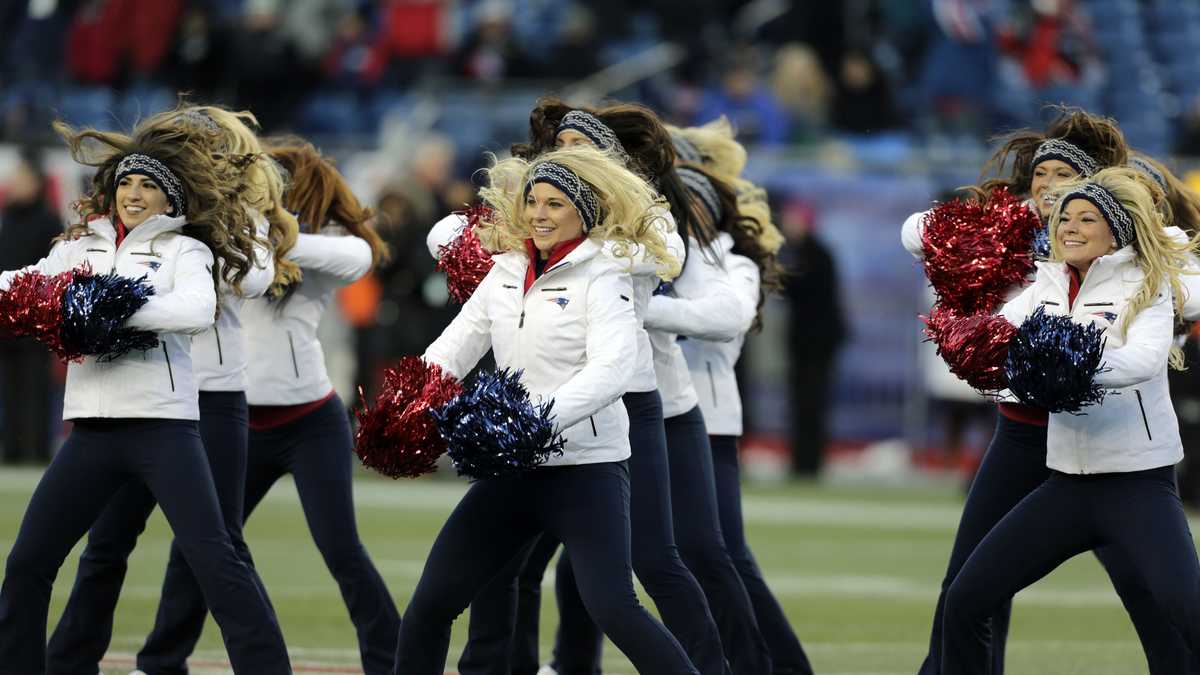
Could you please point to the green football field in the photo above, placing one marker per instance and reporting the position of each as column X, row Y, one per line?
column 857, row 569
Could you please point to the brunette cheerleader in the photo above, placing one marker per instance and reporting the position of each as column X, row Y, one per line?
column 1111, row 484
column 298, row 424
column 160, row 207
column 553, row 216
column 1073, row 145
column 219, row 361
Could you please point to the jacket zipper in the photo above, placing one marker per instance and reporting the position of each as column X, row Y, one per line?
column 1145, row 421
column 170, row 373
column 712, row 382
column 292, row 346
column 220, row 353
column 591, row 418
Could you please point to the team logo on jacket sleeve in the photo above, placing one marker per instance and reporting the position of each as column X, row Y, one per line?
column 1110, row 317
column 560, row 301
column 152, row 264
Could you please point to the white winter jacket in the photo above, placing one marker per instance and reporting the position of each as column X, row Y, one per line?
column 286, row 363
column 643, row 268
column 1135, row 427
column 572, row 334
column 712, row 361
column 714, row 312
column 219, row 353
column 156, row 383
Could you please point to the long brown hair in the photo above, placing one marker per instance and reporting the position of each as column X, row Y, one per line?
column 644, row 138
column 320, row 196
column 1011, row 165
column 1184, row 202
column 214, row 214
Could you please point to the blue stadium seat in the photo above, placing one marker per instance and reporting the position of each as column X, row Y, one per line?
column 87, row 106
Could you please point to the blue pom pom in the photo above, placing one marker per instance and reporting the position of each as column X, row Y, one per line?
column 493, row 429
column 1053, row 361
column 1041, row 243
column 94, row 311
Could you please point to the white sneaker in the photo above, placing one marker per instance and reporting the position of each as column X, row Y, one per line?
column 545, row 670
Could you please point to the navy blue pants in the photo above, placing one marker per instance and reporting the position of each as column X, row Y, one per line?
column 1137, row 516
column 656, row 561
column 316, row 450
column 98, row 459
column 787, row 656
column 587, row 508
column 85, row 627
column 1013, row 467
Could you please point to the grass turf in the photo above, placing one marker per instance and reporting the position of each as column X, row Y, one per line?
column 857, row 570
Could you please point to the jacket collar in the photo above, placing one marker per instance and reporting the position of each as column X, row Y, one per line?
column 519, row 260
column 1102, row 268
column 149, row 229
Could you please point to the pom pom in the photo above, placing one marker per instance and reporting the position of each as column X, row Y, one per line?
column 32, row 306
column 94, row 311
column 974, row 347
column 975, row 252
column 464, row 260
column 493, row 429
column 398, row 437
column 1053, row 361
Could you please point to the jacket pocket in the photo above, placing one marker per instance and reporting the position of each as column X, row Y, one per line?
column 292, row 347
column 592, row 419
column 712, row 382
column 1142, row 409
column 220, row 352
column 170, row 372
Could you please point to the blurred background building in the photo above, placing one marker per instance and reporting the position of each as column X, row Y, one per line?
column 857, row 114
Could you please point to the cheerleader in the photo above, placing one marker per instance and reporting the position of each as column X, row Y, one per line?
column 553, row 215
column 691, row 478
column 297, row 422
column 748, row 246
column 1111, row 477
column 160, row 208
column 1073, row 145
column 219, row 363
column 656, row 560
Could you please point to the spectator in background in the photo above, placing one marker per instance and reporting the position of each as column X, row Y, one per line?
column 198, row 63
column 96, row 56
column 491, row 52
column 574, row 53
column 863, row 103
column 27, row 225
column 412, row 38
column 800, row 85
column 816, row 331
column 742, row 96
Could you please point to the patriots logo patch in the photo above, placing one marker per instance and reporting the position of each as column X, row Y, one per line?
column 152, row 264
column 1110, row 317
column 561, row 302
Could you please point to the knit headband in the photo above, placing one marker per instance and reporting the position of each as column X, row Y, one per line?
column 156, row 171
column 574, row 187
column 685, row 150
column 596, row 131
column 1066, row 151
column 1149, row 169
column 700, row 185
column 1120, row 223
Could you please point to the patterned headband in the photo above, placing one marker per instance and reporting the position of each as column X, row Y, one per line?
column 197, row 118
column 686, row 150
column 700, row 185
column 1066, row 151
column 164, row 178
column 1120, row 223
column 596, row 131
column 574, row 187
column 1149, row 169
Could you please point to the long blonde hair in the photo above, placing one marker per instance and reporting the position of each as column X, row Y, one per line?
column 262, row 185
column 1157, row 254
column 627, row 205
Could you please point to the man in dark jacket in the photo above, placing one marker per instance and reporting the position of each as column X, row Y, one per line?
column 28, row 223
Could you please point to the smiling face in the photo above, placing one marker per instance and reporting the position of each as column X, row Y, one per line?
column 1046, row 175
column 139, row 198
column 569, row 138
column 551, row 217
column 1083, row 234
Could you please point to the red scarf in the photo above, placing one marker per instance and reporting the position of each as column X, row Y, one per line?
column 559, row 252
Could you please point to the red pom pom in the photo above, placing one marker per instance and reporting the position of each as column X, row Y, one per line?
column 975, row 347
column 32, row 307
column 974, row 253
column 465, row 261
column 397, row 436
